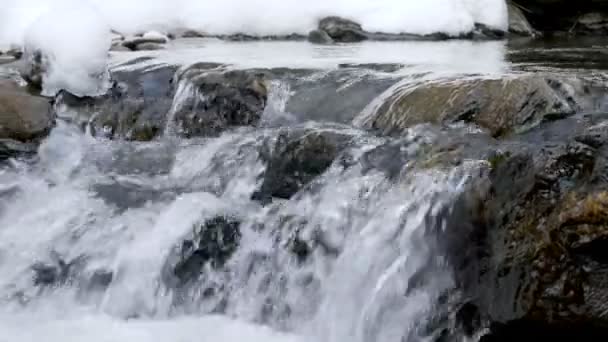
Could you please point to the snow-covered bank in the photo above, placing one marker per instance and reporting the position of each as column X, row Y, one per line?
column 270, row 17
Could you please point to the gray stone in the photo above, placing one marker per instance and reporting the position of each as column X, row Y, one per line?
column 133, row 42
column 342, row 30
column 23, row 117
column 149, row 47
column 319, row 37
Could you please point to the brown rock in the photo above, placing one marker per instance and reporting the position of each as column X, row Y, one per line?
column 23, row 116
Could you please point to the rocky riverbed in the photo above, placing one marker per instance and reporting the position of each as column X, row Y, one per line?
column 348, row 188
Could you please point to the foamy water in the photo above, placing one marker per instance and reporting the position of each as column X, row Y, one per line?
column 106, row 329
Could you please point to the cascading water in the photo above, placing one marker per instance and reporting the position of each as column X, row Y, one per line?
column 93, row 232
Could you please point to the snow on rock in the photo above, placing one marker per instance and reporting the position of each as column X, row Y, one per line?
column 269, row 17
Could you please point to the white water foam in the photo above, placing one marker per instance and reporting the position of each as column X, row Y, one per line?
column 264, row 17
column 73, row 41
column 106, row 329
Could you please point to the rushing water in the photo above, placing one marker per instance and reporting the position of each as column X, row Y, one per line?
column 110, row 215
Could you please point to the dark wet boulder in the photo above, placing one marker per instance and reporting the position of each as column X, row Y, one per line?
column 11, row 149
column 148, row 39
column 221, row 100
column 319, row 37
column 342, row 30
column 56, row 271
column 501, row 106
column 565, row 15
column 592, row 23
column 135, row 108
column 212, row 244
column 33, row 68
column 532, row 258
column 298, row 158
column 24, row 118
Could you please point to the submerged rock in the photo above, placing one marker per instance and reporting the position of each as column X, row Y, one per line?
column 501, row 106
column 213, row 243
column 221, row 99
column 135, row 108
column 298, row 158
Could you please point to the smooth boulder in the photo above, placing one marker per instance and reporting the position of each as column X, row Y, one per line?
column 23, row 117
column 501, row 106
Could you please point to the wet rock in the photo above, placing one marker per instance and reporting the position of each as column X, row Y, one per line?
column 336, row 96
column 150, row 37
column 380, row 67
column 55, row 272
column 518, row 23
column 117, row 38
column 501, row 106
column 11, row 148
column 537, row 330
column 6, row 59
column 342, row 30
column 135, row 108
column 484, row 32
column 243, row 37
column 592, row 23
column 99, row 280
column 539, row 234
column 149, row 46
column 213, row 243
column 297, row 159
column 192, row 34
column 119, row 47
column 34, row 68
column 23, row 117
column 563, row 15
column 319, row 37
column 15, row 52
column 222, row 99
